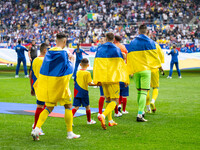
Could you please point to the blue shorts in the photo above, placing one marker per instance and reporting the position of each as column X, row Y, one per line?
column 40, row 102
column 124, row 91
column 101, row 91
column 81, row 101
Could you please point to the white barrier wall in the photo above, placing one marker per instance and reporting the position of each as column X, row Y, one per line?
column 9, row 56
column 186, row 60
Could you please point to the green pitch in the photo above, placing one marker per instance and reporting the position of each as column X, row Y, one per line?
column 175, row 125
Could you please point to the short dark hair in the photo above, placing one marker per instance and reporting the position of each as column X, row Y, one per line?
column 19, row 41
column 33, row 41
column 61, row 35
column 174, row 46
column 143, row 29
column 118, row 38
column 84, row 61
column 43, row 46
column 110, row 36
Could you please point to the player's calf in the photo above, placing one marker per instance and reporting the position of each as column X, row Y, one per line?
column 117, row 113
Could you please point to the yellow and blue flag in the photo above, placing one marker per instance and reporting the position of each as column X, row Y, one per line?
column 37, row 63
column 53, row 82
column 109, row 66
column 143, row 54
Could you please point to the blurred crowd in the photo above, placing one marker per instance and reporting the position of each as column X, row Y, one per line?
column 42, row 19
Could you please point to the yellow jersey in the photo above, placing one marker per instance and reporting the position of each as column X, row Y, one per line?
column 82, row 79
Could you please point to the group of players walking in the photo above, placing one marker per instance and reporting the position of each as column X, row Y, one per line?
column 52, row 70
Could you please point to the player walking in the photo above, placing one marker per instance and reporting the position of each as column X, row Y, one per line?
column 143, row 55
column 52, row 85
column 34, row 75
column 154, row 83
column 81, row 95
column 124, row 90
column 109, row 69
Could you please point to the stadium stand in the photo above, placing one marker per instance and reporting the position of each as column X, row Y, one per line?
column 88, row 20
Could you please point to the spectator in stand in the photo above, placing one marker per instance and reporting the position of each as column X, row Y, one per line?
column 101, row 41
column 93, row 48
column 189, row 50
column 197, row 48
column 87, row 40
column 20, row 58
column 167, row 46
column 183, row 49
column 43, row 19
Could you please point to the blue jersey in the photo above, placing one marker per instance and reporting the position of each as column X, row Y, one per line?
column 167, row 47
column 20, row 51
column 174, row 55
column 183, row 49
column 189, row 50
column 197, row 49
column 79, row 55
column 93, row 49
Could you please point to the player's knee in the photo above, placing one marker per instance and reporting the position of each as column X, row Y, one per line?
column 107, row 98
column 155, row 88
column 40, row 106
column 87, row 107
column 68, row 106
column 77, row 107
column 143, row 92
column 50, row 109
column 116, row 100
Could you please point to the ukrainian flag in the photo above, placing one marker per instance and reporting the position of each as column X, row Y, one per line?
column 143, row 54
column 52, row 85
column 109, row 66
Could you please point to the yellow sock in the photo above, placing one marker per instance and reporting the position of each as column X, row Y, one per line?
column 42, row 118
column 109, row 114
column 68, row 119
column 110, row 107
column 155, row 93
column 106, row 104
column 147, row 100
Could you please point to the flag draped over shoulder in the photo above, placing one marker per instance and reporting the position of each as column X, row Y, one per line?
column 143, row 54
column 55, row 73
column 109, row 65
